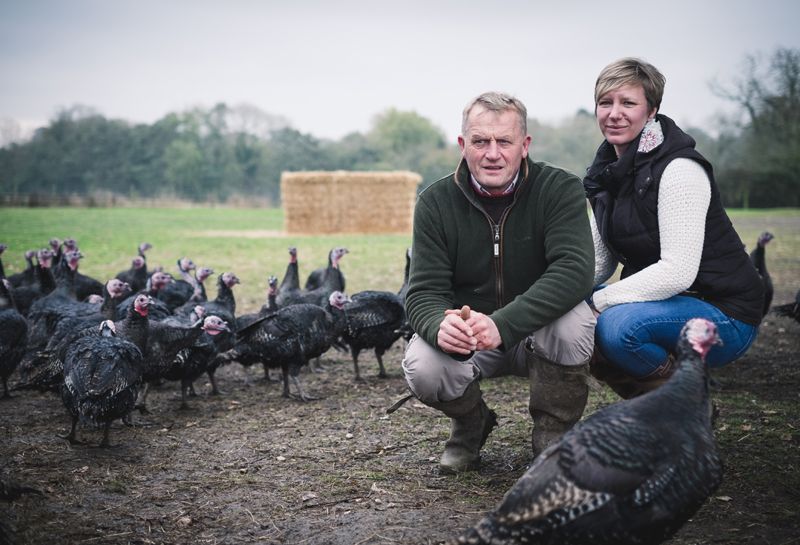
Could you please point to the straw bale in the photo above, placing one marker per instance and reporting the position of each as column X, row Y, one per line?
column 340, row 201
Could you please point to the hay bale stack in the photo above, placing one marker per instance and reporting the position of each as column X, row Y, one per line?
column 348, row 202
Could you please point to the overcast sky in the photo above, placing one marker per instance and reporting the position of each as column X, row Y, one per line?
column 329, row 66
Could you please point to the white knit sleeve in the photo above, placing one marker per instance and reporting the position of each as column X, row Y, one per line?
column 604, row 262
column 683, row 198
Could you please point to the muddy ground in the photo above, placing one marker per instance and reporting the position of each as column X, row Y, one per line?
column 252, row 467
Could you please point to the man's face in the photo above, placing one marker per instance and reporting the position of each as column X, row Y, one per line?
column 493, row 146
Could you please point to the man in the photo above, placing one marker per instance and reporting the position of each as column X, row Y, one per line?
column 508, row 239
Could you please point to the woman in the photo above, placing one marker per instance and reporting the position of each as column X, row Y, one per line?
column 658, row 212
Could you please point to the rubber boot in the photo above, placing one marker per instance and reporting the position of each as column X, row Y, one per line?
column 628, row 386
column 471, row 423
column 558, row 397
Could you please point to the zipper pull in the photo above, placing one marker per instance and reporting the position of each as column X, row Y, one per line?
column 496, row 240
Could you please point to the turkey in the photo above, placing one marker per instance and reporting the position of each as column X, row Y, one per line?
column 631, row 473
column 792, row 310
column 165, row 340
column 268, row 307
column 179, row 292
column 13, row 334
column 158, row 309
column 331, row 281
column 137, row 275
column 45, row 312
column 290, row 284
column 200, row 276
column 59, row 249
column 759, row 259
column 287, row 339
column 372, row 319
column 44, row 282
column 43, row 369
column 28, row 276
column 101, row 380
column 199, row 291
column 86, row 286
column 224, row 306
column 317, row 276
column 191, row 362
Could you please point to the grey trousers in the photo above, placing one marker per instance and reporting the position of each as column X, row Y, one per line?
column 434, row 376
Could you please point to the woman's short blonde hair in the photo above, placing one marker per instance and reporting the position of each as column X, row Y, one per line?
column 631, row 71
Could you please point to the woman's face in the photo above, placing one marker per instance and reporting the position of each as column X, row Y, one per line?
column 621, row 114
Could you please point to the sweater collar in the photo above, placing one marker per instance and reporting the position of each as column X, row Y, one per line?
column 483, row 192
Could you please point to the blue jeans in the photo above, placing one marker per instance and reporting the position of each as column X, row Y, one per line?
column 637, row 337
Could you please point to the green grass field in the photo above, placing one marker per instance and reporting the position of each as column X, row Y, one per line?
column 252, row 244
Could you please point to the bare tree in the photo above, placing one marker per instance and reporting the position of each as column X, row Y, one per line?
column 768, row 154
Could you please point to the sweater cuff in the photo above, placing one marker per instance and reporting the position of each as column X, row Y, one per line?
column 598, row 301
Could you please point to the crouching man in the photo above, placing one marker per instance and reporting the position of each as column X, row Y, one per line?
column 502, row 260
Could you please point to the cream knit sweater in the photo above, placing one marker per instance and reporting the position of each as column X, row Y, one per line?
column 683, row 198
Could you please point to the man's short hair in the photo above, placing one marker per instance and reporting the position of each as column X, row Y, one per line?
column 631, row 71
column 497, row 102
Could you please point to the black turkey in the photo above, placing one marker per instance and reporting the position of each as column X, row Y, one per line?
column 792, row 310
column 198, row 295
column 223, row 306
column 331, row 281
column 179, row 292
column 158, row 309
column 28, row 275
column 43, row 369
column 759, row 258
column 165, row 340
column 287, row 339
column 269, row 306
column 191, row 362
column 13, row 334
column 290, row 283
column 137, row 275
column 372, row 319
column 631, row 473
column 317, row 276
column 44, row 282
column 86, row 286
column 45, row 312
column 101, row 380
column 200, row 276
column 61, row 249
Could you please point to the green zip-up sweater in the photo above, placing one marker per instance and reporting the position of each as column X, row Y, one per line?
column 525, row 272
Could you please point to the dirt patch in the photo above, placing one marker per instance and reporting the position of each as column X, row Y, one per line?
column 252, row 467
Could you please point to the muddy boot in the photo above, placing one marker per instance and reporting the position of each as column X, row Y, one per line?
column 472, row 422
column 558, row 397
column 628, row 386
column 623, row 384
column 656, row 378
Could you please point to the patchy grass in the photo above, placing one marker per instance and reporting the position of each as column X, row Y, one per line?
column 252, row 467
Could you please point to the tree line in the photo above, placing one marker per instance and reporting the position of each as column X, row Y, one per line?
column 223, row 153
